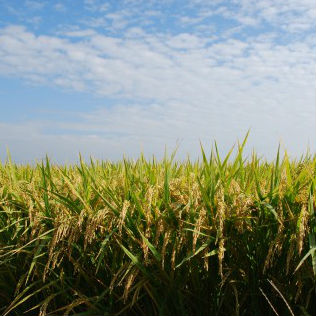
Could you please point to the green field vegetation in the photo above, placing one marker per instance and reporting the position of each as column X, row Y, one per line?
column 230, row 236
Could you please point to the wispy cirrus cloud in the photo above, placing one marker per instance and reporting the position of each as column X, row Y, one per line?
column 170, row 87
column 60, row 7
column 35, row 5
column 207, row 69
column 160, row 66
column 290, row 16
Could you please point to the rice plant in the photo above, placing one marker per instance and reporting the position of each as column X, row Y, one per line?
column 219, row 236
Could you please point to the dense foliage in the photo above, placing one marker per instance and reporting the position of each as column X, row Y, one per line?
column 214, row 237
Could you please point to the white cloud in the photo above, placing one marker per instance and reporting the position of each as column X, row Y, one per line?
column 110, row 133
column 35, row 5
column 60, row 7
column 291, row 16
column 152, row 66
column 79, row 33
column 181, row 87
column 94, row 5
column 35, row 20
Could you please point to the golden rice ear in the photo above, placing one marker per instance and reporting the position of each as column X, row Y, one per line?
column 220, row 217
column 302, row 227
column 123, row 213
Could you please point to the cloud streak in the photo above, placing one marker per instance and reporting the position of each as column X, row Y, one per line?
column 182, row 67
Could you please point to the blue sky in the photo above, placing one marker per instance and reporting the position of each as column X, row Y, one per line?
column 107, row 78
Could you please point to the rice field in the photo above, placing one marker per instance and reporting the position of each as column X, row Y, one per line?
column 219, row 236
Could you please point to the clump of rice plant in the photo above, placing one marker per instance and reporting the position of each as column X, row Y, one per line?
column 230, row 236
